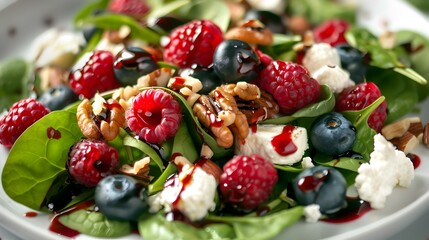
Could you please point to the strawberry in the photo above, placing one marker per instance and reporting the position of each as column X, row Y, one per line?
column 193, row 43
column 290, row 84
column 247, row 181
column 360, row 96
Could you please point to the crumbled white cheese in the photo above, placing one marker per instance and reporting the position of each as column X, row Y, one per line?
column 312, row 213
column 334, row 77
column 195, row 200
column 387, row 168
column 319, row 55
column 260, row 142
column 56, row 47
column 275, row 6
column 307, row 162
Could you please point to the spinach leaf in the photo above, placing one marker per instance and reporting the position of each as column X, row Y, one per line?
column 249, row 227
column 418, row 53
column 15, row 77
column 182, row 145
column 260, row 227
column 157, row 227
column 379, row 56
column 38, row 156
column 214, row 10
column 95, row 224
column 88, row 10
column 160, row 8
column 325, row 105
column 115, row 21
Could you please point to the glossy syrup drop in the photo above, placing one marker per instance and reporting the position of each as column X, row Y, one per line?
column 313, row 182
column 355, row 209
column 283, row 143
column 52, row 133
column 31, row 214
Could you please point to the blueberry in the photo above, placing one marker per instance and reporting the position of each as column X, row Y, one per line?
column 132, row 63
column 56, row 98
column 271, row 20
column 236, row 61
column 332, row 134
column 208, row 78
column 321, row 185
column 120, row 197
column 353, row 61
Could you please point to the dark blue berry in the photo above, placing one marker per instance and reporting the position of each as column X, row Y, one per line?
column 332, row 134
column 353, row 60
column 121, row 197
column 208, row 78
column 132, row 63
column 236, row 61
column 321, row 185
column 56, row 98
column 271, row 20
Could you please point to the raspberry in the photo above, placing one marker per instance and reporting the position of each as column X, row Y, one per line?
column 133, row 8
column 96, row 75
column 21, row 115
column 331, row 31
column 247, row 181
column 92, row 160
column 290, row 84
column 193, row 43
column 360, row 96
column 154, row 116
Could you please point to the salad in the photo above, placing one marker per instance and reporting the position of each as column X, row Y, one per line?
column 211, row 119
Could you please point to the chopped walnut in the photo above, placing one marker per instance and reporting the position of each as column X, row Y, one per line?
column 158, row 77
column 140, row 170
column 105, row 123
column 253, row 32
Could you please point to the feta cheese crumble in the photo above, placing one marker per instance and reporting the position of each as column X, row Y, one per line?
column 387, row 168
column 193, row 199
column 312, row 213
column 334, row 77
column 319, row 55
column 259, row 142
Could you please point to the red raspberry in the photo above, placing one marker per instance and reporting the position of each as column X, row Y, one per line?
column 360, row 96
column 97, row 75
column 193, row 43
column 92, row 160
column 154, row 116
column 247, row 181
column 21, row 115
column 331, row 31
column 290, row 84
column 133, row 8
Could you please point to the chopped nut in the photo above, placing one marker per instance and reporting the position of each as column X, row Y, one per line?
column 406, row 143
column 206, row 151
column 252, row 32
column 211, row 168
column 140, row 170
column 247, row 91
column 158, row 77
column 396, row 129
column 298, row 24
column 84, row 119
column 416, row 127
column 228, row 117
column 181, row 161
column 426, row 135
column 387, row 39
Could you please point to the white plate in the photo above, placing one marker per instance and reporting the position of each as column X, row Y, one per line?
column 23, row 20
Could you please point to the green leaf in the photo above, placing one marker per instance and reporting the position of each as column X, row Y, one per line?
column 129, row 141
column 115, row 21
column 15, row 76
column 167, row 8
column 182, row 145
column 95, row 224
column 364, row 143
column 325, row 105
column 261, row 227
column 37, row 158
column 88, row 10
column 214, row 10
